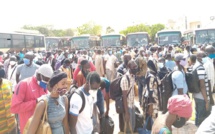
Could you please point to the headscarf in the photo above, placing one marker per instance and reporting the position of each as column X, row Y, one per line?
column 151, row 66
column 180, row 105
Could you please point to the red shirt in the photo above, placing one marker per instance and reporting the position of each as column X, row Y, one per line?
column 75, row 73
column 24, row 99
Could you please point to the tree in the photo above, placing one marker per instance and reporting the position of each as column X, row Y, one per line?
column 90, row 28
column 152, row 30
column 109, row 30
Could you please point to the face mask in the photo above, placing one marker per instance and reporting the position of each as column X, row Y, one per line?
column 110, row 52
column 12, row 63
column 160, row 65
column 183, row 63
column 61, row 91
column 179, row 122
column 133, row 71
column 26, row 61
column 42, row 83
column 204, row 60
column 212, row 56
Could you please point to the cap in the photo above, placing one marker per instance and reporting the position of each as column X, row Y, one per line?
column 179, row 56
column 45, row 70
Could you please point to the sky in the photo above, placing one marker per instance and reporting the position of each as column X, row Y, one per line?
column 118, row 14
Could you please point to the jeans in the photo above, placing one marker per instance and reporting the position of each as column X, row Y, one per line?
column 200, row 111
column 141, row 85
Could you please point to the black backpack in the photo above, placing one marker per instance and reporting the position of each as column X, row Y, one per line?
column 167, row 86
column 74, row 89
column 115, row 89
column 192, row 80
column 107, row 125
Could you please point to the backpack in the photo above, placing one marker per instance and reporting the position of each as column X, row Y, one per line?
column 115, row 89
column 167, row 86
column 192, row 80
column 44, row 126
column 74, row 89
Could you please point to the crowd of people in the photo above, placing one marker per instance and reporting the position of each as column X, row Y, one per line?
column 29, row 78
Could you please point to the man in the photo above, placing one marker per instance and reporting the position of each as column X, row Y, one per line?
column 50, row 60
column 66, row 68
column 24, row 99
column 110, row 65
column 86, row 56
column 142, row 69
column 208, row 65
column 7, row 120
column 82, row 75
column 170, row 64
column 81, row 123
column 202, row 98
column 128, row 96
column 178, row 76
column 105, row 89
column 12, row 71
column 27, row 69
column 122, row 69
column 99, row 64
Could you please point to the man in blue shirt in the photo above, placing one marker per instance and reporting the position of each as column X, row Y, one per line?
column 103, row 94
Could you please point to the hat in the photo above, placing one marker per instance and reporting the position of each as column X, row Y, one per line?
column 179, row 56
column 180, row 105
column 56, row 77
column 45, row 70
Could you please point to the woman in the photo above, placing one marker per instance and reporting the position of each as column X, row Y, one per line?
column 151, row 93
column 179, row 111
column 57, row 106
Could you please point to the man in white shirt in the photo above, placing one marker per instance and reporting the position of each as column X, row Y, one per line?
column 209, row 66
column 12, row 71
column 81, row 122
column 110, row 66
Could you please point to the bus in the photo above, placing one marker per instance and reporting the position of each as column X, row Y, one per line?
column 200, row 36
column 17, row 41
column 137, row 39
column 58, row 42
column 113, row 40
column 167, row 37
column 84, row 42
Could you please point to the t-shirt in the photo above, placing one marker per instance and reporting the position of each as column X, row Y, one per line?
column 26, row 71
column 110, row 62
column 179, row 81
column 202, row 75
column 84, row 123
column 107, row 84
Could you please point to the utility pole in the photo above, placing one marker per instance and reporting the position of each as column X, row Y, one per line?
column 186, row 22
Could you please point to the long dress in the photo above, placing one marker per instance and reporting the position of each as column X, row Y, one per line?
column 56, row 114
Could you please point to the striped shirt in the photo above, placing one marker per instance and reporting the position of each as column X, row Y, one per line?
column 7, row 120
column 202, row 75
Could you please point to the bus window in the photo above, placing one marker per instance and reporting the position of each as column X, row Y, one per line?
column 39, row 41
column 18, row 41
column 29, row 40
column 5, row 41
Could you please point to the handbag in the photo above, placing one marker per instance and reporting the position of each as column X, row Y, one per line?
column 44, row 127
column 144, row 130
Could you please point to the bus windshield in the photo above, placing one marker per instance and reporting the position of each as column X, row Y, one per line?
column 52, row 42
column 109, row 41
column 169, row 38
column 205, row 36
column 137, row 40
column 80, row 42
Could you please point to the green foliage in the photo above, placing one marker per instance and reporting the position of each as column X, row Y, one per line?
column 109, row 30
column 152, row 30
column 90, row 28
column 48, row 30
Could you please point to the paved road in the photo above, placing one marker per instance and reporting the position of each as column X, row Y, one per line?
column 189, row 128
